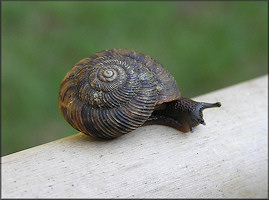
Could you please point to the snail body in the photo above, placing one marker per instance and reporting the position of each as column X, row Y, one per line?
column 116, row 91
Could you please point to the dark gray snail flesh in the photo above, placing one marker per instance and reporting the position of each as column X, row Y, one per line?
column 183, row 114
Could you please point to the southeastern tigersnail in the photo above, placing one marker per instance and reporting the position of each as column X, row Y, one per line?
column 116, row 91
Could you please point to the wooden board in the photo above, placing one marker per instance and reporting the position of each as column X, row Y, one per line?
column 227, row 158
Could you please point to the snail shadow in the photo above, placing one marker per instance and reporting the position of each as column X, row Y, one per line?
column 142, row 135
column 81, row 137
column 164, row 131
column 144, row 139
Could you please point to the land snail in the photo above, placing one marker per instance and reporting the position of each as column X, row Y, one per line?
column 115, row 91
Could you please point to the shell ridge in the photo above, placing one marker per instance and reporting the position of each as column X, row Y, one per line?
column 113, row 92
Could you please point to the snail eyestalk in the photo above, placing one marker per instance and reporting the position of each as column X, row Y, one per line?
column 191, row 112
column 183, row 114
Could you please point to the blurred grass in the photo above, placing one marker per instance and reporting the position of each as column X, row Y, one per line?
column 205, row 45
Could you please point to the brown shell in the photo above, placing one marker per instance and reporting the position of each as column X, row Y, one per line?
column 114, row 91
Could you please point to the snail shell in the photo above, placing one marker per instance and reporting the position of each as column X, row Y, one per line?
column 114, row 91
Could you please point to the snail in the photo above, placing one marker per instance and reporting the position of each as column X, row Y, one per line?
column 115, row 91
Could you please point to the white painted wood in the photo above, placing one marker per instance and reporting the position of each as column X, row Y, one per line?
column 227, row 158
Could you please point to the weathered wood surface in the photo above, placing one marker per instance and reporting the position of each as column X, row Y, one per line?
column 227, row 158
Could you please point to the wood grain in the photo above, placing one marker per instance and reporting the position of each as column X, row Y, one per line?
column 227, row 158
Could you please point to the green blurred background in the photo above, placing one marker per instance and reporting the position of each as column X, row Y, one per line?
column 205, row 45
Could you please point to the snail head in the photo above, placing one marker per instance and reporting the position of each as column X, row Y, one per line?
column 183, row 114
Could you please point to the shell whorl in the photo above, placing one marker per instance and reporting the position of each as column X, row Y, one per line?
column 113, row 92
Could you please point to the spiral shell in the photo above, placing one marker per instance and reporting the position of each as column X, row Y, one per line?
column 113, row 92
